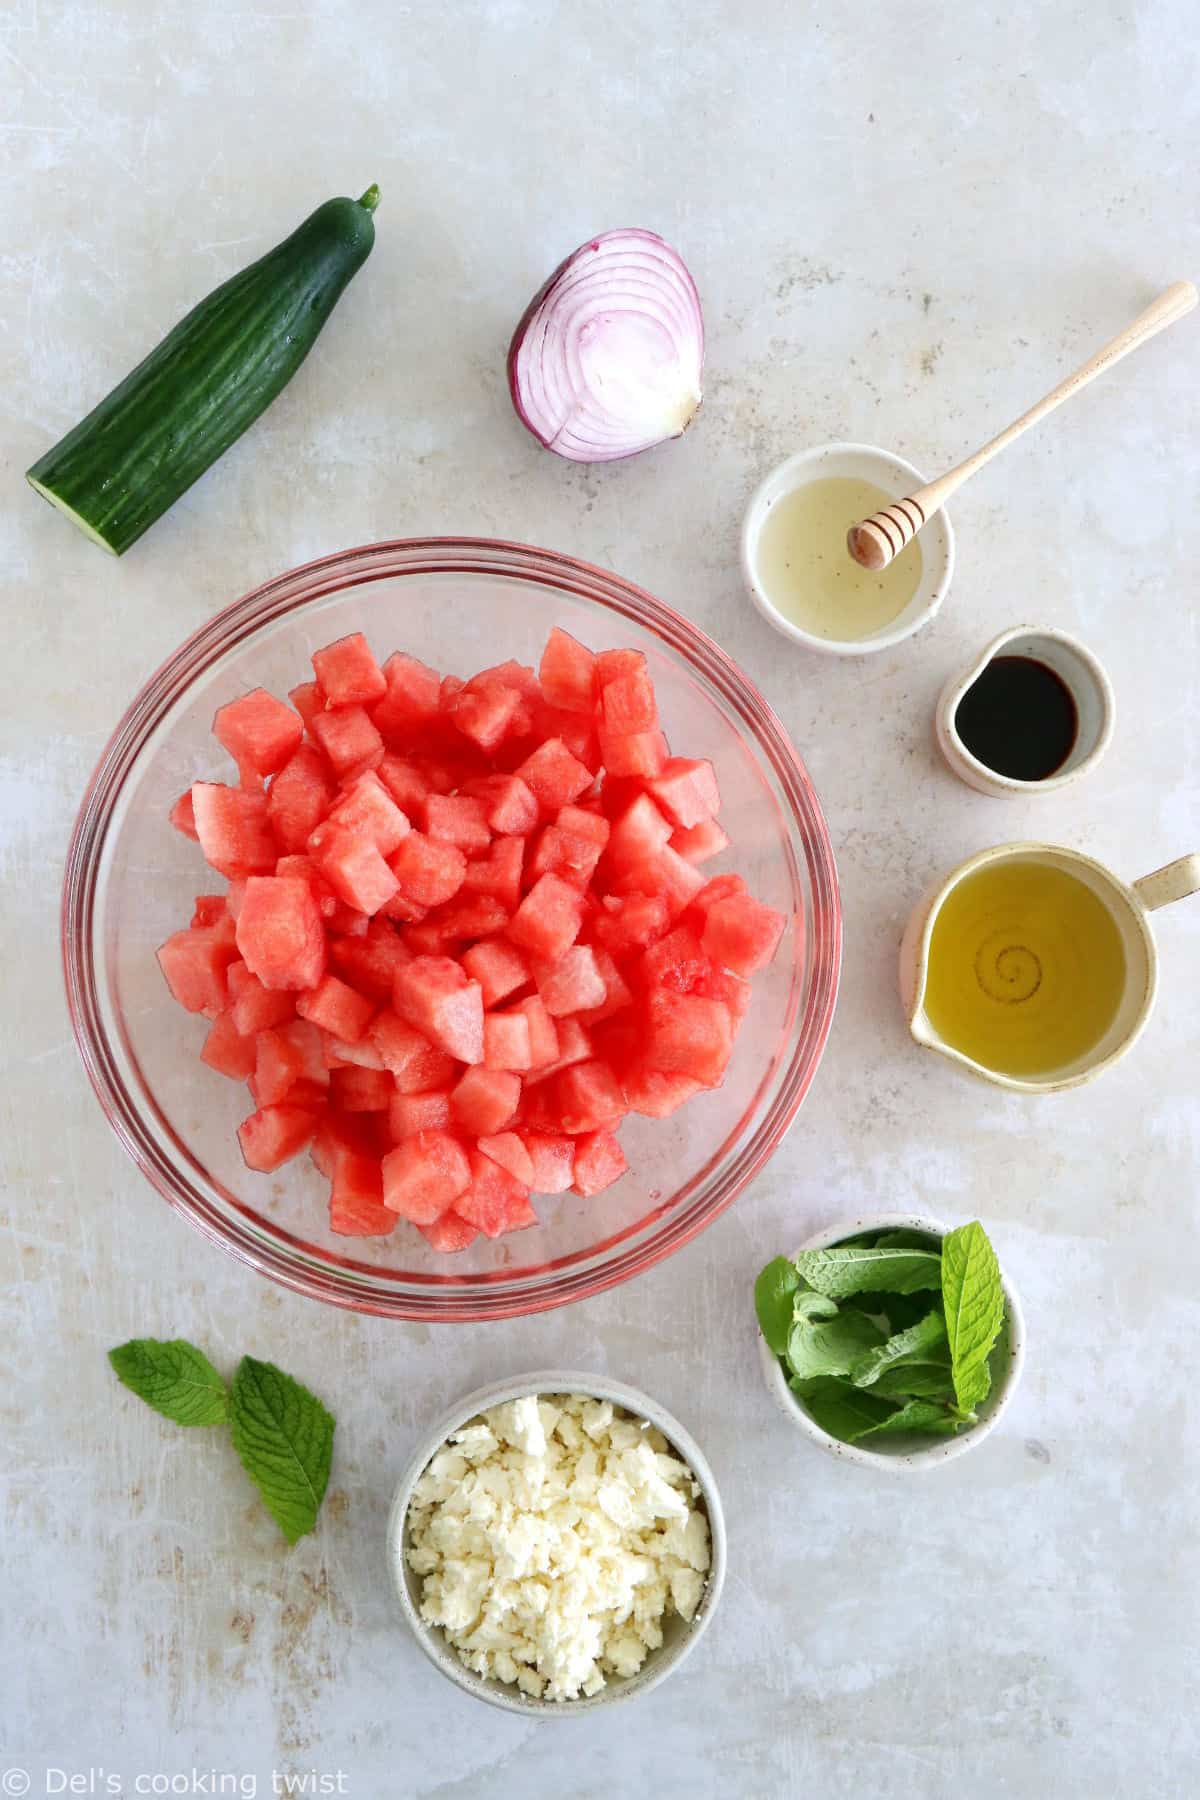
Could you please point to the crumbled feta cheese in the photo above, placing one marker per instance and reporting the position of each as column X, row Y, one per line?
column 552, row 1536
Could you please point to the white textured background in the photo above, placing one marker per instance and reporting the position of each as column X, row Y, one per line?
column 905, row 222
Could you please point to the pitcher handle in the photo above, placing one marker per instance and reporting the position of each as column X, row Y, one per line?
column 1175, row 882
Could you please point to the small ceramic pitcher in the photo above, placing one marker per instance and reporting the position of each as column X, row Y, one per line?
column 1129, row 907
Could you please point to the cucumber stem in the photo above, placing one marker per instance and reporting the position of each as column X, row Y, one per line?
column 370, row 200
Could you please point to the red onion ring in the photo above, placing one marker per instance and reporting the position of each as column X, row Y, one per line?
column 608, row 356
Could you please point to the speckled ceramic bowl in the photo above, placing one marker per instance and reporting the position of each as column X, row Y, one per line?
column 680, row 1636
column 911, row 1453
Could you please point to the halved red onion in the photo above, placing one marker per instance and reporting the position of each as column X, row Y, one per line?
column 608, row 357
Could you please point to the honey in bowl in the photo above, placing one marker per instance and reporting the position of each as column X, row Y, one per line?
column 1026, row 969
column 810, row 576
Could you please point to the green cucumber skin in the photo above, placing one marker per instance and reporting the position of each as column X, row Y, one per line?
column 209, row 379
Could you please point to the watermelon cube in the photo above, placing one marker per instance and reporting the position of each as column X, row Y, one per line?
column 182, row 816
column 259, row 731
column 569, row 854
column 356, row 1090
column 721, row 887
column 627, row 703
column 638, row 834
column 495, row 1202
column 572, row 984
column 506, row 1041
column 209, row 909
column 414, row 1064
column 599, row 1161
column 507, row 1149
column 336, row 1132
column 687, row 792
column 688, row 1035
column 449, row 1234
column 468, row 915
column 543, row 1033
column 698, row 843
column 664, row 873
column 278, row 1065
column 366, row 809
column 567, row 672
column 349, row 739
column 498, row 967
column 427, row 871
column 274, row 1134
column 233, row 829
column 299, row 797
column 617, row 992
column 589, row 1097
column 194, row 962
column 510, row 674
column 457, row 819
column 636, row 753
column 280, row 934
column 486, row 1100
column 742, row 934
column 487, row 715
column 353, row 867
column 547, row 921
column 339, row 1054
column 253, row 1007
column 356, row 1206
column 348, row 672
column 369, row 963
column 410, row 1113
column 403, row 781
column 612, row 663
column 337, row 1009
column 729, row 989
column 498, row 873
column 552, row 1158
column 509, row 807
column 553, row 776
column 227, row 1051
column 424, row 1175
column 656, row 1094
column 308, row 700
column 432, row 993
column 628, row 922
column 675, row 961
column 574, row 1046
column 410, row 702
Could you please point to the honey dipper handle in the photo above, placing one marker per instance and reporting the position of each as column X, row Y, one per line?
column 881, row 537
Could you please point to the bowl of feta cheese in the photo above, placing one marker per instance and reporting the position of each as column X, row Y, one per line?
column 557, row 1543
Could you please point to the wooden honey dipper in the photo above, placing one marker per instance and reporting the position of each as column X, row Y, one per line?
column 875, row 541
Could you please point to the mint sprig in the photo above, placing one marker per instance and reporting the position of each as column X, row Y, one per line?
column 974, row 1303
column 860, row 1269
column 282, row 1433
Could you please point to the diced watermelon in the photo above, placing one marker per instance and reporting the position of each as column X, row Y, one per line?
column 509, row 806
column 552, row 1158
column 547, row 921
column 638, row 835
column 687, row 791
column 572, row 984
column 721, row 887
column 354, row 869
column 506, row 1041
column 427, row 871
column 575, row 729
column 688, row 1035
column 675, row 961
column 404, row 782
column 599, row 1161
column 617, row 992
column 366, row 809
column 495, row 1202
column 566, row 853
column 336, row 1132
column 424, row 1175
column 636, row 753
column 466, row 916
column 553, row 776
column 629, row 922
column 337, row 1008
column 349, row 739
column 729, row 989
column 498, row 873
column 656, row 1094
column 339, row 1054
column 308, row 700
column 183, row 818
column 227, row 1051
column 698, row 843
column 274, row 1134
column 432, row 993
column 613, row 663
column 742, row 934
column 574, row 1046
column 299, row 797
column 369, row 963
column 498, row 967
column 543, row 1033
column 259, row 731
column 280, row 934
column 507, row 1149
column 457, row 819
column 348, row 672
column 210, row 909
column 589, row 1097
column 664, row 873
column 356, row 1206
column 194, row 964
column 487, row 715
column 449, row 1234
column 356, row 1090
column 254, row 1007
column 627, row 704
column 278, row 1065
column 567, row 672
column 510, row 674
column 233, row 829
column 414, row 1063
column 485, row 1100
column 410, row 1113
column 410, row 703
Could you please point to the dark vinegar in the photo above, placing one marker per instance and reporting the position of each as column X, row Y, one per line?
column 1019, row 718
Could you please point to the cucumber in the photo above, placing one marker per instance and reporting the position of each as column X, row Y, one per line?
column 209, row 379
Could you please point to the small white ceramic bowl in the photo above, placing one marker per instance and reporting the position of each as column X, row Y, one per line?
column 1083, row 675
column 908, row 1455
column 680, row 1636
column 897, row 479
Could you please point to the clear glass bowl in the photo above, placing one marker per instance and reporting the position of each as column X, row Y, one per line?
column 458, row 604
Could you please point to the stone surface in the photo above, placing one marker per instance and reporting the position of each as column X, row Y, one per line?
column 905, row 225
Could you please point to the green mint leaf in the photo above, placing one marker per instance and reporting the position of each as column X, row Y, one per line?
column 808, row 1304
column 856, row 1269
column 173, row 1377
column 904, row 1240
column 845, row 1412
column 974, row 1305
column 284, row 1437
column 828, row 1346
column 918, row 1415
column 915, row 1344
column 773, row 1292
column 917, row 1381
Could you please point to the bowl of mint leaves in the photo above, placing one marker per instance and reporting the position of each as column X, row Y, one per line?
column 896, row 1342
